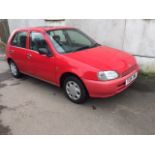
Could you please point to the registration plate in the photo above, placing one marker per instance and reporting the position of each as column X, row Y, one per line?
column 131, row 78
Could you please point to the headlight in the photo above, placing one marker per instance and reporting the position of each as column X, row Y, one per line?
column 107, row 75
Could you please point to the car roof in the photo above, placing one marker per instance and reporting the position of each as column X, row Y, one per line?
column 44, row 28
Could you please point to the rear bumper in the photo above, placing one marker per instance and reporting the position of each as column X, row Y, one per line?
column 103, row 89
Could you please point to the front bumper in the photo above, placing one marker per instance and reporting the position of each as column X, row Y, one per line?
column 103, row 89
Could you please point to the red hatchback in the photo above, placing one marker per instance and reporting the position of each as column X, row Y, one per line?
column 68, row 58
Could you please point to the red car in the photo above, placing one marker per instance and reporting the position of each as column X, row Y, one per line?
column 68, row 58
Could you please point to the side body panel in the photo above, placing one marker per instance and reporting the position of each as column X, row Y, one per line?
column 18, row 54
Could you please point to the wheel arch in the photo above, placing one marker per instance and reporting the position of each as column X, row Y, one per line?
column 9, row 60
column 67, row 74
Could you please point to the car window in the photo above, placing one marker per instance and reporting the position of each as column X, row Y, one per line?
column 70, row 40
column 37, row 41
column 78, row 39
column 19, row 39
column 58, row 35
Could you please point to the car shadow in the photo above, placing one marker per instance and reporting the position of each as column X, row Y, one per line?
column 124, row 97
column 131, row 97
column 42, row 84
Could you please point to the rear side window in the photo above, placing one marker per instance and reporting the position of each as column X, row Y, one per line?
column 19, row 39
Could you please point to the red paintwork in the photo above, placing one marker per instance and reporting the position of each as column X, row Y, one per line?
column 84, row 64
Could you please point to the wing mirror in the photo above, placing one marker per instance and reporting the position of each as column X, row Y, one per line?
column 44, row 51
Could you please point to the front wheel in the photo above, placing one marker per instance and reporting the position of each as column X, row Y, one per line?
column 75, row 90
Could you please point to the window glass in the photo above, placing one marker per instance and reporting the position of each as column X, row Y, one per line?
column 59, row 39
column 37, row 41
column 78, row 39
column 70, row 40
column 58, row 35
column 19, row 39
column 15, row 40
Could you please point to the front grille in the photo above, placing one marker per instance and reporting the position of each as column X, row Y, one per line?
column 129, row 70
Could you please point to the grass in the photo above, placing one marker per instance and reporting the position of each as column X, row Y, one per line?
column 145, row 75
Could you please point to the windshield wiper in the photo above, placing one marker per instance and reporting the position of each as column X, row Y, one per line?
column 82, row 48
column 85, row 47
column 96, row 45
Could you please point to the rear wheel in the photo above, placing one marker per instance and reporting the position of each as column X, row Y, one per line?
column 14, row 70
column 75, row 90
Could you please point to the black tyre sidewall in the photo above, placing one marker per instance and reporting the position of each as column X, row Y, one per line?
column 18, row 72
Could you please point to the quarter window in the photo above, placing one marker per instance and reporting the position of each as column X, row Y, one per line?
column 19, row 39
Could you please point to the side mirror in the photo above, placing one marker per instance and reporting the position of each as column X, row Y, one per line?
column 44, row 51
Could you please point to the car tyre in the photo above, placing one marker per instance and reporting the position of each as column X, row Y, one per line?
column 14, row 70
column 75, row 90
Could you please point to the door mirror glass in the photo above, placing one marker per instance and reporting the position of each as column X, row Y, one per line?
column 43, row 51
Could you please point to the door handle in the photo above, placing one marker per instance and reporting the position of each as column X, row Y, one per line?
column 29, row 56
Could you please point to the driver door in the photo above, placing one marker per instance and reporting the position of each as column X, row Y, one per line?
column 40, row 65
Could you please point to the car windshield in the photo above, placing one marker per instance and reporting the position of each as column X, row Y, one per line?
column 70, row 40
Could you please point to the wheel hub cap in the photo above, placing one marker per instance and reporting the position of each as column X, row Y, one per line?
column 13, row 69
column 73, row 90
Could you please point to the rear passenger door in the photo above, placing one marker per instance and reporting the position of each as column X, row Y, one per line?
column 18, row 50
